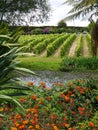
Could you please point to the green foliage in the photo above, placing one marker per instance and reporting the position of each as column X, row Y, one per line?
column 8, row 67
column 80, row 63
column 91, row 25
column 15, row 12
column 71, row 105
column 82, row 8
column 66, row 44
column 42, row 45
column 36, row 31
column 61, row 24
column 78, row 50
column 54, row 45
column 88, row 38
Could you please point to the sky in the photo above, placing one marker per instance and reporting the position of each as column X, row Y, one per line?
column 58, row 12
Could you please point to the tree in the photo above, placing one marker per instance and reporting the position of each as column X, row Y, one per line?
column 62, row 23
column 82, row 8
column 23, row 11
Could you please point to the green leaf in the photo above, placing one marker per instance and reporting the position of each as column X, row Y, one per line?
column 26, row 71
column 2, row 115
column 8, row 98
column 5, row 36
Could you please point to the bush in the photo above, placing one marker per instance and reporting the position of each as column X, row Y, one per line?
column 61, row 107
column 62, row 24
column 69, row 64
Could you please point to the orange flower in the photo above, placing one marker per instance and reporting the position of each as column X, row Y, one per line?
column 6, row 108
column 34, row 111
column 73, row 113
column 47, row 124
column 21, row 127
column 32, row 122
column 67, row 99
column 30, row 83
column 40, row 102
column 42, row 83
column 14, row 128
column 1, row 109
column 35, row 115
column 37, row 126
column 35, row 106
column 33, row 97
column 52, row 116
column 22, row 99
column 69, row 128
column 62, row 95
column 80, row 109
column 25, row 122
column 91, row 124
column 17, row 125
column 18, row 116
column 97, row 97
column 83, row 80
column 86, row 89
column 0, row 119
column 65, row 125
column 28, row 110
column 55, row 128
column 41, row 99
column 48, row 98
column 68, row 85
column 60, row 85
column 30, row 127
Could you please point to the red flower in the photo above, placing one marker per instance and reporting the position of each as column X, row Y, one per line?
column 73, row 113
column 52, row 116
column 80, row 109
column 91, row 124
column 22, row 100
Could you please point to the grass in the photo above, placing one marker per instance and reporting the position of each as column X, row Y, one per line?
column 40, row 63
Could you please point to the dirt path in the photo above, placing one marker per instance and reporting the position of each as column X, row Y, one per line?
column 43, row 54
column 72, row 49
column 85, row 48
column 57, row 52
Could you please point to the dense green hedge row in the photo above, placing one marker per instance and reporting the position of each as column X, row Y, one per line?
column 78, row 50
column 51, row 42
column 76, row 63
column 42, row 45
column 66, row 44
column 88, row 38
column 54, row 45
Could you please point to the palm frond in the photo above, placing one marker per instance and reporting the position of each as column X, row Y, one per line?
column 25, row 70
column 8, row 98
column 81, row 8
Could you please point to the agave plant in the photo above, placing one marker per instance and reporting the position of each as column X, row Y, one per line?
column 9, row 50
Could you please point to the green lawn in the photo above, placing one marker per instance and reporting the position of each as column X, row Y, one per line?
column 40, row 63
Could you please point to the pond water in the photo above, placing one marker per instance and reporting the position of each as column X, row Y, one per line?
column 49, row 77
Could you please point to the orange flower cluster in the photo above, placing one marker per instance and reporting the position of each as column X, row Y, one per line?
column 51, row 109
column 42, row 84
column 80, row 110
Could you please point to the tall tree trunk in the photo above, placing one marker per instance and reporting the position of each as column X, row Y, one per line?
column 94, row 37
column 3, row 11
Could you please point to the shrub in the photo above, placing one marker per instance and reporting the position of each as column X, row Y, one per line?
column 69, row 64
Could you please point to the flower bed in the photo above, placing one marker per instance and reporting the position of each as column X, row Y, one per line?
column 69, row 106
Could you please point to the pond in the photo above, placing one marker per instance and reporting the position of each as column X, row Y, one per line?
column 49, row 77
